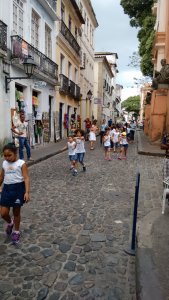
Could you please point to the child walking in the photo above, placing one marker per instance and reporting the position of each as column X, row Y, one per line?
column 107, row 144
column 15, row 191
column 80, row 147
column 71, row 146
column 123, row 146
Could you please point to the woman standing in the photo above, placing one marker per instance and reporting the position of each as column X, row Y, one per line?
column 102, row 130
column 92, row 135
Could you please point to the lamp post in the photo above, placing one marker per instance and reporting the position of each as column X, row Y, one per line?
column 29, row 67
column 89, row 94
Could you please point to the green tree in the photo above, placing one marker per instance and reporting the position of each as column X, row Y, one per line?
column 140, row 14
column 132, row 104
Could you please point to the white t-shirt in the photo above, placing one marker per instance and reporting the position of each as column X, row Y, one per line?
column 107, row 141
column 124, row 141
column 22, row 128
column 13, row 171
column 80, row 147
column 71, row 148
column 115, row 137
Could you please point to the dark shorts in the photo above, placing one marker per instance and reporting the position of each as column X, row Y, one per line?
column 107, row 147
column 13, row 195
column 125, row 146
column 72, row 157
column 80, row 157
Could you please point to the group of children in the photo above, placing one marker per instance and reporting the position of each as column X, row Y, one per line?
column 76, row 150
column 115, row 139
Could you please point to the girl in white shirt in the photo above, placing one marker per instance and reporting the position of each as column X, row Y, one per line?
column 124, row 146
column 107, row 144
column 71, row 146
column 16, row 186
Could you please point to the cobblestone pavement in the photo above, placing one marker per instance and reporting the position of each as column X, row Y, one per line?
column 75, row 230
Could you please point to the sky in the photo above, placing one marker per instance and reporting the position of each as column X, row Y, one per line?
column 115, row 34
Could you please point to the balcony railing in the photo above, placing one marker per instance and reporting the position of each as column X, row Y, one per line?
column 21, row 49
column 3, row 36
column 71, row 88
column 64, row 84
column 77, row 92
column 68, row 87
column 70, row 38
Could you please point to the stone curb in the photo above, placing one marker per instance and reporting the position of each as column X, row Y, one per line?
column 38, row 160
column 141, row 151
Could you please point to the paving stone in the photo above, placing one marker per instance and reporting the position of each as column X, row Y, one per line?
column 77, row 250
column 63, row 247
column 54, row 296
column 47, row 252
column 70, row 266
column 77, row 279
column 60, row 286
column 83, row 240
column 42, row 294
column 50, row 279
column 98, row 237
column 5, row 287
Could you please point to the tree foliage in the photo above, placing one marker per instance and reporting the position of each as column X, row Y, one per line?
column 141, row 16
column 132, row 104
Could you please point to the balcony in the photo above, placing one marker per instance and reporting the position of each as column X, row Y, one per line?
column 71, row 88
column 68, row 87
column 77, row 92
column 70, row 38
column 50, row 8
column 47, row 68
column 3, row 38
column 64, row 84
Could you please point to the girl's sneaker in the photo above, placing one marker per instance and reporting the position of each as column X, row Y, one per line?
column 84, row 168
column 9, row 228
column 74, row 172
column 15, row 237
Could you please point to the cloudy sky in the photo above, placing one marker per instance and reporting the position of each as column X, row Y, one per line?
column 115, row 34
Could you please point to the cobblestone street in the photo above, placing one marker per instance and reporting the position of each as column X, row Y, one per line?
column 75, row 229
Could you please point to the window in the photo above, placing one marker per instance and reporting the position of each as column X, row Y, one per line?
column 87, row 27
column 62, row 61
column 18, row 17
column 75, row 32
column 69, row 71
column 35, row 29
column 76, row 77
column 70, row 23
column 48, row 41
column 62, row 12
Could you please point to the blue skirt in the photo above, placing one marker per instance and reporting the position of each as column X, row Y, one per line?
column 13, row 195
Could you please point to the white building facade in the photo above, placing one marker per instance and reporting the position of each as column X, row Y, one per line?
column 30, row 32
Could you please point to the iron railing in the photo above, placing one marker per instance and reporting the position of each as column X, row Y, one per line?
column 64, row 84
column 71, row 88
column 77, row 92
column 21, row 49
column 70, row 38
column 52, row 3
column 3, row 36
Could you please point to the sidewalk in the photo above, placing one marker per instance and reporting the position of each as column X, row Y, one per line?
column 42, row 152
column 152, row 259
column 145, row 148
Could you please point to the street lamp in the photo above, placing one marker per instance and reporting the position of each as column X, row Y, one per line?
column 29, row 66
column 89, row 94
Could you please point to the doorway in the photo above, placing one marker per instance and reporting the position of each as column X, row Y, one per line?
column 60, row 119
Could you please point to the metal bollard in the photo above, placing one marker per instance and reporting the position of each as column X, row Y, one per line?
column 131, row 250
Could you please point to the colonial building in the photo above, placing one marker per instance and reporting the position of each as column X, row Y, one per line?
column 29, row 30
column 157, row 112
column 68, row 57
column 87, row 60
column 117, row 104
column 106, row 94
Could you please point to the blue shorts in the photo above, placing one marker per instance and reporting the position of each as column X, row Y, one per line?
column 80, row 157
column 13, row 195
column 125, row 146
column 107, row 147
column 72, row 157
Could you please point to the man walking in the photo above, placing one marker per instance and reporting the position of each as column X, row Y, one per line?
column 20, row 129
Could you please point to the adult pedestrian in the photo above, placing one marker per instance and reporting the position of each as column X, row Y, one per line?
column 132, row 130
column 102, row 130
column 88, row 124
column 20, row 129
